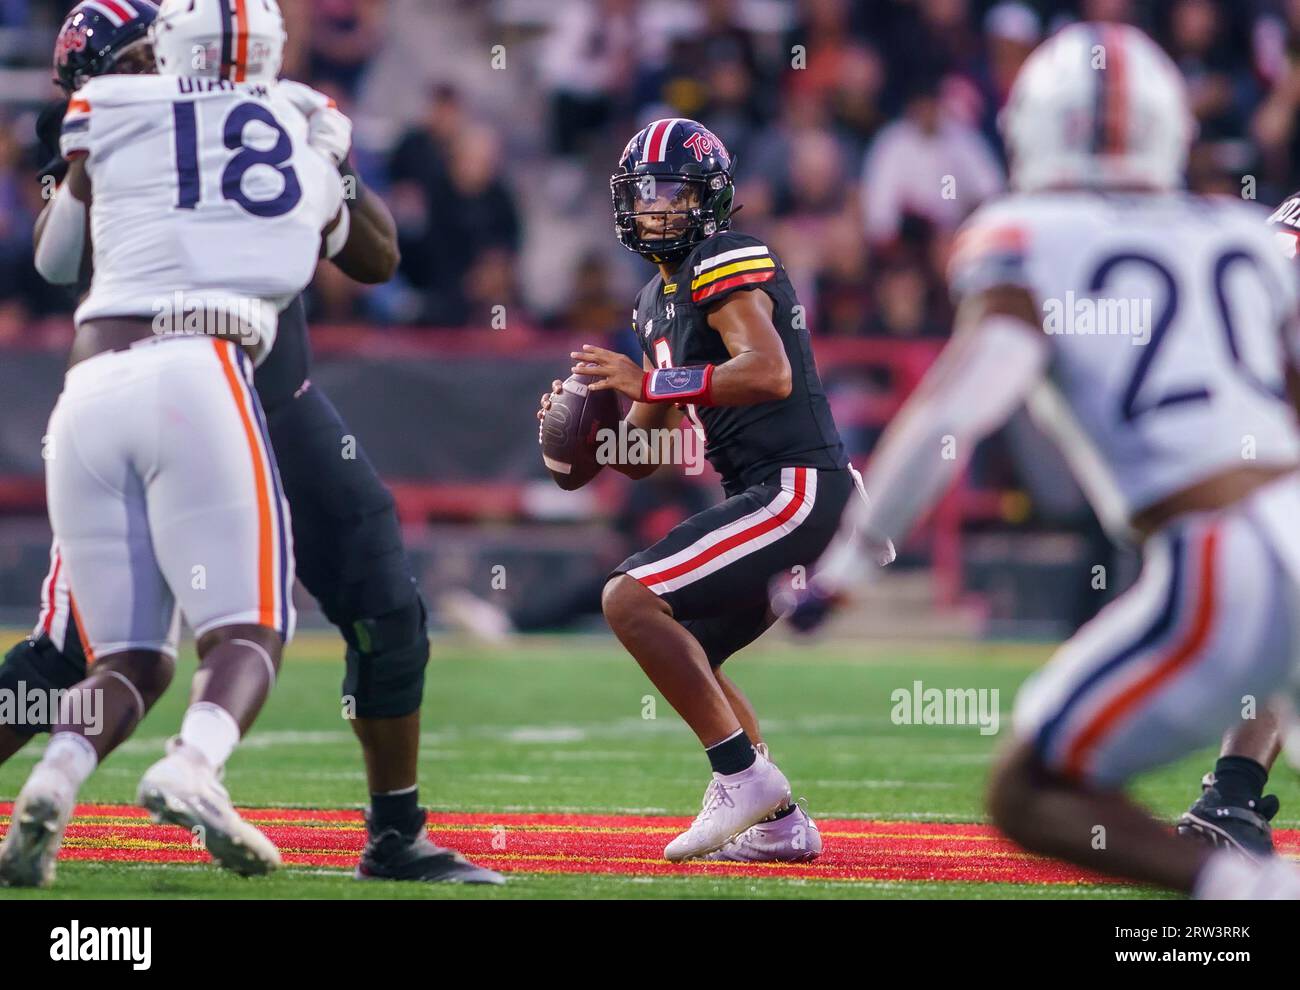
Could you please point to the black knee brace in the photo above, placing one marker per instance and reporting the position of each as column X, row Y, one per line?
column 37, row 665
column 385, row 662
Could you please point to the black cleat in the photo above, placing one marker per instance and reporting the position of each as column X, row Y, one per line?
column 1223, row 825
column 407, row 854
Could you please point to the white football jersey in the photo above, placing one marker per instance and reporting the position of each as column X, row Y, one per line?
column 208, row 203
column 1169, row 316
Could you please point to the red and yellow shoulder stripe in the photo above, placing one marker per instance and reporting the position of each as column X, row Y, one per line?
column 742, row 266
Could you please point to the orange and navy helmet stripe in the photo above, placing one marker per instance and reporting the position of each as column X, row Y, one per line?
column 234, row 39
column 1110, row 113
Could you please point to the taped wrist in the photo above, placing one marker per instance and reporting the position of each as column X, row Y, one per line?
column 693, row 385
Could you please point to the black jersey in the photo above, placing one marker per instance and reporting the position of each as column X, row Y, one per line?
column 745, row 444
column 286, row 368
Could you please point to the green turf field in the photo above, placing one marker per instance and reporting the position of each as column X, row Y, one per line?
column 557, row 724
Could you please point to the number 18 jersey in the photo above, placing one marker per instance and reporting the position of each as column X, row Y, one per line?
column 1170, row 318
column 208, row 202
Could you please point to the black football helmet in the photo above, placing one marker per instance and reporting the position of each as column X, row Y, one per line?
column 96, row 35
column 673, row 188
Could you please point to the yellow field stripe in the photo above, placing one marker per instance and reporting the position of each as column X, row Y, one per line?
column 732, row 269
column 117, row 842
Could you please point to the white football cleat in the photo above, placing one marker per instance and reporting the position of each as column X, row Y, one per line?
column 1230, row 876
column 476, row 617
column 792, row 838
column 732, row 803
column 182, row 789
column 40, row 817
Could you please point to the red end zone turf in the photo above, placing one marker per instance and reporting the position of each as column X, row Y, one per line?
column 855, row 850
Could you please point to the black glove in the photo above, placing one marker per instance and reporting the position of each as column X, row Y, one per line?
column 49, row 128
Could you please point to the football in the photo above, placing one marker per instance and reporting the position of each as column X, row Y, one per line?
column 571, row 427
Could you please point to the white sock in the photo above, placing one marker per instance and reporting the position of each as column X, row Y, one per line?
column 1226, row 876
column 73, row 755
column 211, row 730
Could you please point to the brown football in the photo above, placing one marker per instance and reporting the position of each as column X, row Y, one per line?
column 571, row 427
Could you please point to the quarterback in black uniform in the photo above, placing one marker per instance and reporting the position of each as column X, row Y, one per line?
column 725, row 342
column 347, row 539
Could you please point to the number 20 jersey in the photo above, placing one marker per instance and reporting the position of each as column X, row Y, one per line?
column 1170, row 317
column 203, row 188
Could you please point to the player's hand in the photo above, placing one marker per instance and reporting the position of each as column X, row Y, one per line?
column 557, row 387
column 614, row 370
column 329, row 130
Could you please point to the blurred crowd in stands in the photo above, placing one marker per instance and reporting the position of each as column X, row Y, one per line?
column 864, row 133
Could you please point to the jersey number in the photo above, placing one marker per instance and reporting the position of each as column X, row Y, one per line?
column 1130, row 405
column 232, row 178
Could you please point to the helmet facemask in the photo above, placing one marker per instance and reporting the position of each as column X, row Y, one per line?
column 662, row 217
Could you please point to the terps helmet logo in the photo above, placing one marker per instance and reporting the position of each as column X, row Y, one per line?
column 71, row 40
column 701, row 143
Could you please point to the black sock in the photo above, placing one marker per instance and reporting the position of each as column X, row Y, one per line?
column 393, row 810
column 1239, row 779
column 732, row 755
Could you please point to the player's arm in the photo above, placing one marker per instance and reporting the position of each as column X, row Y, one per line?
column 62, row 233
column 364, row 242
column 370, row 254
column 997, row 354
column 757, row 371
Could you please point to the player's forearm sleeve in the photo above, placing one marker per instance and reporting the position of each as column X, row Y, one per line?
column 963, row 400
column 63, row 239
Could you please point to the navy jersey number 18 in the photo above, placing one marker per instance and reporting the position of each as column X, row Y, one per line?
column 189, row 188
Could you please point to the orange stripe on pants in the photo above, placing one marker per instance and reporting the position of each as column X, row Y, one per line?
column 265, row 546
column 1181, row 655
column 81, row 630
